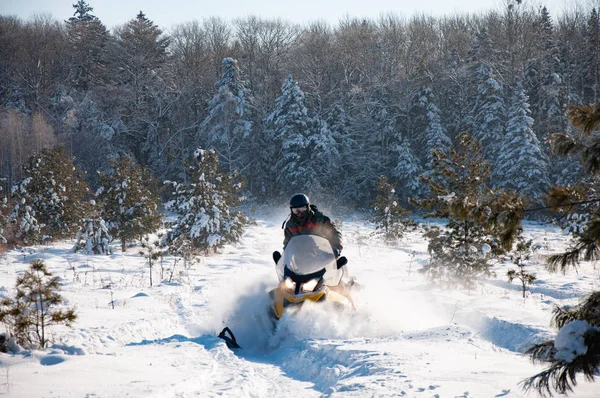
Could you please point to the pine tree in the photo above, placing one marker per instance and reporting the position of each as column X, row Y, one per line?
column 489, row 112
column 139, row 54
column 28, row 227
column 477, row 217
column 129, row 200
column 521, row 164
column 266, row 150
column 93, row 238
column 591, row 85
column 50, row 199
column 88, row 39
column 292, row 128
column 454, row 94
column 325, row 159
column 206, row 206
column 368, row 153
column 228, row 126
column 34, row 309
column 345, row 149
column 3, row 217
column 543, row 82
column 581, row 323
column 578, row 326
column 151, row 252
column 427, row 125
column 550, row 118
column 519, row 256
column 407, row 171
column 391, row 220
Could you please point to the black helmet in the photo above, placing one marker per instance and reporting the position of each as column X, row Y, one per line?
column 299, row 200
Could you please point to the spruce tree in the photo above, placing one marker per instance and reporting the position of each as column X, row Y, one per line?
column 129, row 200
column 228, row 126
column 206, row 207
column 521, row 165
column 50, row 199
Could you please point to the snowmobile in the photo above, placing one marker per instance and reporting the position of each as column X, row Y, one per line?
column 308, row 270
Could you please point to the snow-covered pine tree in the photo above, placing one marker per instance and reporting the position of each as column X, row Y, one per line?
column 521, row 165
column 368, row 154
column 3, row 216
column 292, row 128
column 50, row 196
column 426, row 125
column 454, row 94
column 579, row 324
column 435, row 133
column 88, row 39
column 489, row 112
column 407, row 171
column 551, row 116
column 391, row 220
column 129, row 200
column 325, row 159
column 138, row 54
column 477, row 217
column 93, row 238
column 591, row 82
column 339, row 124
column 94, row 134
column 28, row 229
column 266, row 150
column 228, row 126
column 207, row 205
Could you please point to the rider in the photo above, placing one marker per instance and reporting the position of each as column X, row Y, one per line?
column 307, row 220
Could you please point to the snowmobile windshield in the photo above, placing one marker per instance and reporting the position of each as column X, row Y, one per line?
column 308, row 254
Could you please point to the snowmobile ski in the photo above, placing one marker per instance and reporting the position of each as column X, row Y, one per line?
column 229, row 340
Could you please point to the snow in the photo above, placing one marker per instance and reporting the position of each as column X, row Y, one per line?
column 407, row 337
column 569, row 342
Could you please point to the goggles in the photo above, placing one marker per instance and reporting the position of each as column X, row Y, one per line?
column 299, row 210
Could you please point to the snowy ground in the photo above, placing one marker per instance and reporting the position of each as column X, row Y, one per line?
column 407, row 338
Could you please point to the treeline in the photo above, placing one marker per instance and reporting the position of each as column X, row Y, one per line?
column 313, row 108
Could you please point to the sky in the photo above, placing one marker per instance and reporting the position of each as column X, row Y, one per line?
column 168, row 13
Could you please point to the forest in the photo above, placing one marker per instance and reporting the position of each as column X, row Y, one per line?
column 315, row 108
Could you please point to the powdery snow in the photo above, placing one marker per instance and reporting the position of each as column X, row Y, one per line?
column 407, row 338
column 569, row 342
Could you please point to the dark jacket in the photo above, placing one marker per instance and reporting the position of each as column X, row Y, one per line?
column 317, row 224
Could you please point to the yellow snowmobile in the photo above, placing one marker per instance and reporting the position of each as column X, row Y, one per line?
column 308, row 270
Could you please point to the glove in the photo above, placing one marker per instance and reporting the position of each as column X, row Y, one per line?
column 337, row 251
